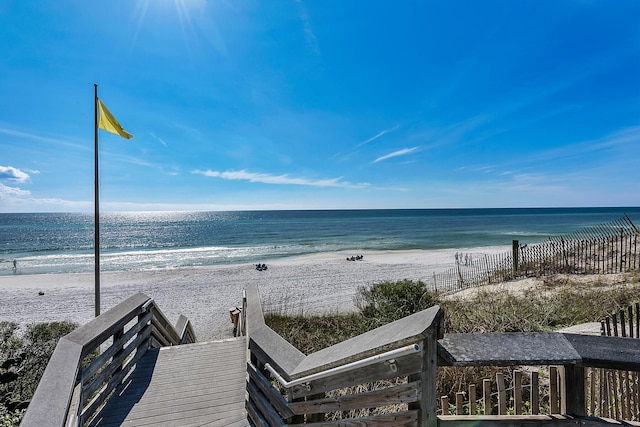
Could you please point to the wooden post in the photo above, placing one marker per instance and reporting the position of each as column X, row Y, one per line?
column 515, row 249
column 573, row 400
column 313, row 418
column 502, row 394
column 593, row 373
column 116, row 336
column 428, row 405
column 606, row 409
column 295, row 419
column 562, row 390
column 460, row 403
column 444, row 401
column 553, row 390
column 472, row 399
column 517, row 392
column 637, row 320
column 535, row 394
column 234, row 315
column 486, row 396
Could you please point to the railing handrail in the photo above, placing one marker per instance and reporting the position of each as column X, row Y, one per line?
column 58, row 388
column 404, row 348
column 383, row 357
column 98, row 330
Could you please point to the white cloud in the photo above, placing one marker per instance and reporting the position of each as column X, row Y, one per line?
column 7, row 192
column 157, row 138
column 398, row 153
column 380, row 134
column 626, row 136
column 285, row 179
column 309, row 35
column 13, row 174
column 34, row 137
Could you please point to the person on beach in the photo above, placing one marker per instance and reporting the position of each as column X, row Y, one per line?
column 15, row 265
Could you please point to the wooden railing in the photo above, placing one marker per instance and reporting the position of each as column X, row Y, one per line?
column 286, row 387
column 387, row 376
column 90, row 362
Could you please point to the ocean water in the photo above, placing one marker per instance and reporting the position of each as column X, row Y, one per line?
column 63, row 242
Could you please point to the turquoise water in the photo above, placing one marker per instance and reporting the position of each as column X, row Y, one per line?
column 63, row 242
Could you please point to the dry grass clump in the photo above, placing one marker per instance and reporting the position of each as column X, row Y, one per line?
column 552, row 303
column 556, row 302
column 312, row 333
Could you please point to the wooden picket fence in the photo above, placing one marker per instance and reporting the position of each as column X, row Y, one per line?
column 602, row 249
column 615, row 393
column 527, row 394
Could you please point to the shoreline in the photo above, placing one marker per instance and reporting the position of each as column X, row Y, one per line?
column 308, row 284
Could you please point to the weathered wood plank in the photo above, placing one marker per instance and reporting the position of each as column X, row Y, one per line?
column 185, row 330
column 62, row 369
column 398, row 419
column 99, row 361
column 607, row 352
column 162, row 325
column 116, row 364
column 104, row 326
column 272, row 395
column 208, row 415
column 527, row 421
column 405, row 365
column 106, row 390
column 408, row 330
column 149, row 404
column 504, row 349
column 205, row 389
column 56, row 387
column 254, row 415
column 267, row 411
column 224, row 404
column 269, row 347
column 574, row 386
column 403, row 393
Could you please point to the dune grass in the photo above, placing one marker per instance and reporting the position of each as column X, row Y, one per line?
column 23, row 359
column 554, row 303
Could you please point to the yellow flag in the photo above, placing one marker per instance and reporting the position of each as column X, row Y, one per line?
column 109, row 123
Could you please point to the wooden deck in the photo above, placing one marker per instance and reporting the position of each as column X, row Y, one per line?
column 201, row 384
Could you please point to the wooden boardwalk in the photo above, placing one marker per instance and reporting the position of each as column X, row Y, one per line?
column 202, row 384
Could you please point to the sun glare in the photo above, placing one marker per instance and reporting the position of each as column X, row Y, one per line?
column 167, row 13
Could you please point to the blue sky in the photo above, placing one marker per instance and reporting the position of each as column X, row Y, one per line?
column 320, row 104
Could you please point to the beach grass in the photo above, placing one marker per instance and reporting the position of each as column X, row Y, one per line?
column 23, row 359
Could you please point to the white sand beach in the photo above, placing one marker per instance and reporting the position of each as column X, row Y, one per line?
column 309, row 284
